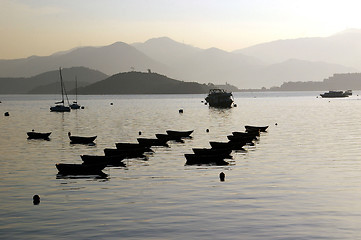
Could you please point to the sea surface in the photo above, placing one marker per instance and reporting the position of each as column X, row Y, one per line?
column 301, row 180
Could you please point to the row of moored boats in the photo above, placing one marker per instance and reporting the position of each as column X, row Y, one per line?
column 220, row 151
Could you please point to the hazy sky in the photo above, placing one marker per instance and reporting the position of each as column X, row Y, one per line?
column 42, row 27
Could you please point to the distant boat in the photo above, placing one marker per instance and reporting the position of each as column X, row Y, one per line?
column 213, row 159
column 336, row 94
column 219, row 98
column 179, row 134
column 115, row 161
column 60, row 106
column 38, row 135
column 80, row 169
column 152, row 142
column 75, row 104
column 83, row 140
column 255, row 128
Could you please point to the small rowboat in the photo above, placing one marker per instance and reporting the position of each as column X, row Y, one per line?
column 240, row 139
column 254, row 134
column 131, row 153
column 255, row 128
column 194, row 159
column 152, row 142
column 131, row 146
column 179, row 134
column 167, row 137
column 211, row 151
column 82, row 140
column 228, row 145
column 38, row 135
column 80, row 169
column 107, row 160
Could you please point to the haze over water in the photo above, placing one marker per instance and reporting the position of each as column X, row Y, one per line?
column 300, row 181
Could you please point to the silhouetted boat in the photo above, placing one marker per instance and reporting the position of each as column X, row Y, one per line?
column 75, row 104
column 219, row 98
column 167, row 137
column 239, row 138
column 133, row 146
column 152, row 142
column 228, row 145
column 60, row 107
column 336, row 94
column 129, row 153
column 256, row 128
column 80, row 169
column 107, row 160
column 225, row 152
column 195, row 159
column 82, row 140
column 38, row 135
column 254, row 134
column 179, row 134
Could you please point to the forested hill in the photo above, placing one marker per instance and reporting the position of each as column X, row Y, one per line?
column 143, row 83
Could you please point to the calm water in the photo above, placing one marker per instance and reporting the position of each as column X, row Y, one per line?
column 302, row 180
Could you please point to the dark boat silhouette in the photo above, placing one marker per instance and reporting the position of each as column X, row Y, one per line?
column 80, row 169
column 38, row 135
column 219, row 98
column 109, row 161
column 179, row 134
column 240, row 139
column 133, row 146
column 254, row 134
column 256, row 128
column 211, row 151
column 82, row 140
column 60, row 106
column 152, row 142
column 194, row 159
column 228, row 145
column 129, row 153
column 167, row 137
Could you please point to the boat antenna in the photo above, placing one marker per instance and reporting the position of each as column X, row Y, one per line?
column 76, row 89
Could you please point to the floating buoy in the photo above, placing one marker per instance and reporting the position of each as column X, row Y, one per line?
column 222, row 176
column 207, row 130
column 36, row 199
column 140, row 133
column 234, row 105
column 82, row 107
column 111, row 103
column 180, row 110
column 6, row 114
column 276, row 124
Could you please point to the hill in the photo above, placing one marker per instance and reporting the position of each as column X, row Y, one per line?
column 111, row 59
column 342, row 48
column 340, row 81
column 48, row 82
column 143, row 83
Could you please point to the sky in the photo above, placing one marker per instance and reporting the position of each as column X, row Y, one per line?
column 43, row 27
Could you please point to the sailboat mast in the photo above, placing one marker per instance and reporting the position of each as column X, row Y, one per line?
column 76, row 89
column 62, row 87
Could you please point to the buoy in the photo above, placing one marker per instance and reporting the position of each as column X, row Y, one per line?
column 234, row 105
column 207, row 130
column 111, row 103
column 82, row 107
column 276, row 124
column 222, row 176
column 36, row 199
column 6, row 114
column 140, row 133
column 180, row 110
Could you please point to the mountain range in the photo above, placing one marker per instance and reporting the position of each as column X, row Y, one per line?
column 263, row 65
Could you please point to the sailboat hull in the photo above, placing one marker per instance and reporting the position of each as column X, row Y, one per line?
column 60, row 108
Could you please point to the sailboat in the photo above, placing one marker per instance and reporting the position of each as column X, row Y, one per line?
column 60, row 106
column 75, row 104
